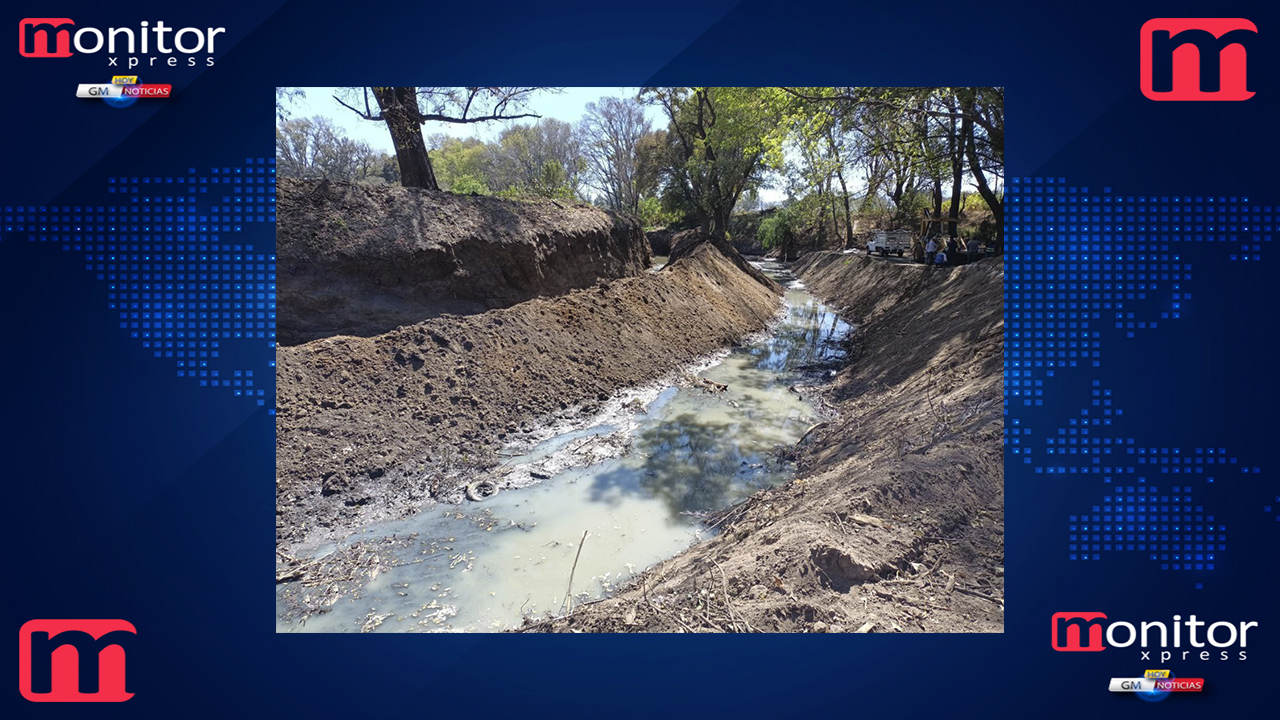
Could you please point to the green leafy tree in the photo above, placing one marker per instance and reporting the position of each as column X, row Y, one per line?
column 456, row 159
column 653, row 215
column 721, row 143
column 468, row 185
column 652, row 156
column 912, row 143
column 780, row 229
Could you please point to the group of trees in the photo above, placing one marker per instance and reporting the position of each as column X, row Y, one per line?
column 840, row 153
column 314, row 148
column 596, row 159
column 914, row 154
column 720, row 144
column 543, row 159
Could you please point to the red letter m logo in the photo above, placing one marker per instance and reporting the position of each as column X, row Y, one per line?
column 1196, row 58
column 40, row 37
column 74, row 660
column 1077, row 632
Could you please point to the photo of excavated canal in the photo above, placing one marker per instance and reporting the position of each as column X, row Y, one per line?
column 553, row 405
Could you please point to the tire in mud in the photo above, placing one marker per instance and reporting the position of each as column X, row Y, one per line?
column 481, row 491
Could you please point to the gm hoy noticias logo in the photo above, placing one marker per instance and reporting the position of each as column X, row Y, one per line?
column 74, row 660
column 124, row 90
column 1155, row 685
column 1196, row 59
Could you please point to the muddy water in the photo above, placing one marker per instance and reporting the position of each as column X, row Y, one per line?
column 483, row 566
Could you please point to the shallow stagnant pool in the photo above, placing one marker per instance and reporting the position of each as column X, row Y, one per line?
column 485, row 566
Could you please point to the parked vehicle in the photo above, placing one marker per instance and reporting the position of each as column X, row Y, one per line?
column 896, row 242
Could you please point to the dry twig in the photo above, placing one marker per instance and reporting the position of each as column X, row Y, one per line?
column 568, row 594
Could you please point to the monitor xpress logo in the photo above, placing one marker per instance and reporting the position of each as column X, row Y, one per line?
column 45, row 37
column 1196, row 58
column 1084, row 632
column 129, row 47
column 74, row 660
column 1078, row 632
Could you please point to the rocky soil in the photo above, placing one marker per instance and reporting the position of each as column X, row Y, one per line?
column 377, row 427
column 895, row 519
column 362, row 260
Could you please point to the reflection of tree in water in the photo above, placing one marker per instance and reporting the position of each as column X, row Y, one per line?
column 696, row 462
column 806, row 337
column 692, row 464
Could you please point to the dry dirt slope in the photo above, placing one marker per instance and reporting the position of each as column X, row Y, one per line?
column 360, row 260
column 895, row 519
column 376, row 427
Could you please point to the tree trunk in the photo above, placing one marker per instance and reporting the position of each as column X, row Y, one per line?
column 898, row 188
column 957, row 169
column 822, row 226
column 835, row 219
column 848, row 219
column 719, row 228
column 844, row 189
column 399, row 106
column 993, row 202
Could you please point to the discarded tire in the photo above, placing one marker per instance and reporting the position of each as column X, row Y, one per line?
column 482, row 490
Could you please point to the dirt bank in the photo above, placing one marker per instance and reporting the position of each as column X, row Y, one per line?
column 684, row 243
column 660, row 240
column 377, row 427
column 361, row 260
column 743, row 229
column 894, row 522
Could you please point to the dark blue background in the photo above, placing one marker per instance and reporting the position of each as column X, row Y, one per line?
column 139, row 497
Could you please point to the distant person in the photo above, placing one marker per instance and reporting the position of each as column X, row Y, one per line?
column 973, row 249
column 941, row 258
column 917, row 250
column 953, row 249
column 930, row 251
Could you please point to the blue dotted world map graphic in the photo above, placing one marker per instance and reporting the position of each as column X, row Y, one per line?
column 1087, row 272
column 176, row 271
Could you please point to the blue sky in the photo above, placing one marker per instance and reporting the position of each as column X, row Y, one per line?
column 568, row 105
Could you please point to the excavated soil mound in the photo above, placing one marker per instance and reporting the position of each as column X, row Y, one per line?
column 361, row 260
column 685, row 242
column 895, row 520
column 376, row 427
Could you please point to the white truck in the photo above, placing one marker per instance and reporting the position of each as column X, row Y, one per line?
column 896, row 242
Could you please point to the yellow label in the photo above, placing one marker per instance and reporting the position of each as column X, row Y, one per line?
column 1157, row 674
column 124, row 80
